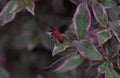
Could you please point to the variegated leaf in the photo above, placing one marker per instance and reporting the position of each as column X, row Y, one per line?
column 108, row 3
column 110, row 72
column 113, row 13
column 71, row 33
column 30, row 6
column 60, row 63
column 118, row 61
column 101, row 68
column 82, row 20
column 100, row 13
column 92, row 36
column 103, row 36
column 112, row 48
column 99, row 75
column 88, row 50
column 115, row 28
column 60, row 47
column 72, row 64
column 91, row 71
column 9, row 11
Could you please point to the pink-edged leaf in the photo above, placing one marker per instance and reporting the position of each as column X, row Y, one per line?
column 115, row 26
column 30, row 6
column 46, row 41
column 88, row 50
column 76, row 1
column 108, row 3
column 9, row 11
column 113, row 13
column 118, row 61
column 60, row 63
column 100, row 75
column 101, row 68
column 91, row 71
column 82, row 20
column 91, row 36
column 99, row 13
column 71, row 33
column 60, row 47
column 4, row 73
column 103, row 36
column 112, row 47
column 110, row 72
column 72, row 64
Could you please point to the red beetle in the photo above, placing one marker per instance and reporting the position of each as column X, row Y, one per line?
column 57, row 34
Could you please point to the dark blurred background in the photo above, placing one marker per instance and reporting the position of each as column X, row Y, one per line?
column 25, row 48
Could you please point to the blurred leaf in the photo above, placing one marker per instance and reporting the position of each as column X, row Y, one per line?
column 19, row 70
column 115, row 27
column 60, row 75
column 100, row 75
column 101, row 68
column 60, row 47
column 100, row 13
column 113, row 13
column 91, row 71
column 108, row 3
column 103, row 36
column 76, row 1
column 111, row 73
column 30, row 6
column 118, row 61
column 88, row 50
column 25, row 40
column 58, row 6
column 72, row 64
column 82, row 19
column 3, row 73
column 29, row 26
column 9, row 11
column 60, row 63
column 112, row 47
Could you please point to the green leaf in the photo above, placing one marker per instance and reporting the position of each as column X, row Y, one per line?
column 47, row 42
column 111, row 73
column 71, row 33
column 113, row 13
column 82, row 20
column 99, row 13
column 60, row 47
column 115, row 27
column 88, row 50
column 60, row 63
column 112, row 47
column 9, row 11
column 91, row 71
column 103, row 36
column 30, row 6
column 108, row 3
column 72, row 64
column 101, row 68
